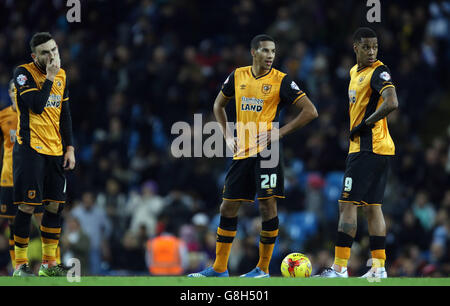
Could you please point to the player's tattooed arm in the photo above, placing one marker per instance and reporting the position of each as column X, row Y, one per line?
column 390, row 103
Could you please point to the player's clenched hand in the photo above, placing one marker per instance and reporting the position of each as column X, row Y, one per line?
column 69, row 159
column 360, row 129
column 53, row 66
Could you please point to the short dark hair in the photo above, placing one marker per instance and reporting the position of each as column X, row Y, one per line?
column 363, row 32
column 259, row 38
column 39, row 39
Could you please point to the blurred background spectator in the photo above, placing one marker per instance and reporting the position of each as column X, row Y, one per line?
column 136, row 67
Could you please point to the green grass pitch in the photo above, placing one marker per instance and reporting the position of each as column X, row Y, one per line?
column 230, row 281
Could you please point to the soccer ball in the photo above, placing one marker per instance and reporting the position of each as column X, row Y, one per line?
column 296, row 265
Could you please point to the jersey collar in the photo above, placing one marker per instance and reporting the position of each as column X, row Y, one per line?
column 262, row 75
column 361, row 69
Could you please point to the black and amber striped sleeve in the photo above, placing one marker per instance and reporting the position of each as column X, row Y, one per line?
column 28, row 92
column 228, row 87
column 290, row 92
column 65, row 122
column 381, row 79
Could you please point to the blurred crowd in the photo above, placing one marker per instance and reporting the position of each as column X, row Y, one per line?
column 136, row 67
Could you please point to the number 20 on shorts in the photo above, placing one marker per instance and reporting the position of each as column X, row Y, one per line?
column 268, row 181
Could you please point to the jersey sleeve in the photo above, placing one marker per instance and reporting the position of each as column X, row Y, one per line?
column 23, row 81
column 381, row 79
column 34, row 98
column 289, row 91
column 228, row 86
column 66, row 93
column 65, row 122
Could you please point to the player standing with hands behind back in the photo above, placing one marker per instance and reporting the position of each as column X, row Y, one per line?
column 372, row 97
column 43, row 150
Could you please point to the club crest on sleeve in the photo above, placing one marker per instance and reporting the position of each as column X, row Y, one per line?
column 385, row 76
column 31, row 194
column 21, row 79
column 294, row 86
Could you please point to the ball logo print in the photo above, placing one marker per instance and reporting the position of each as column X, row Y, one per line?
column 292, row 265
column 296, row 265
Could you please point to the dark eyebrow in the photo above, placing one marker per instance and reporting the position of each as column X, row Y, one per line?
column 47, row 51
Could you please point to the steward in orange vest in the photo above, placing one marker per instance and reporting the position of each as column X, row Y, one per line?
column 166, row 255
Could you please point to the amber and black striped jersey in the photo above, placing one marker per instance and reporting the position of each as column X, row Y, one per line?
column 43, row 110
column 364, row 91
column 8, row 126
column 258, row 103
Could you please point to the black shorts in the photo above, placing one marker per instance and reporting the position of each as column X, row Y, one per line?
column 38, row 178
column 248, row 177
column 365, row 178
column 7, row 208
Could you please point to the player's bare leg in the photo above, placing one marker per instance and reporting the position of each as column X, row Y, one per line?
column 345, row 234
column 377, row 236
column 347, row 226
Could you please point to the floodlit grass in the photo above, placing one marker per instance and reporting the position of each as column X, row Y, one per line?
column 230, row 281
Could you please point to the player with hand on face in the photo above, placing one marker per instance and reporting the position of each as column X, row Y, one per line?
column 43, row 150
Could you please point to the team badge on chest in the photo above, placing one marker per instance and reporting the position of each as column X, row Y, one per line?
column 266, row 88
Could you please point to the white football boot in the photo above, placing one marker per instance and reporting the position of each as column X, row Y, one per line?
column 332, row 273
column 375, row 273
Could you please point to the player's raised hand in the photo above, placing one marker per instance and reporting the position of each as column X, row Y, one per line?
column 53, row 66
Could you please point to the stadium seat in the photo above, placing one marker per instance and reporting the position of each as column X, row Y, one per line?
column 300, row 226
column 332, row 192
